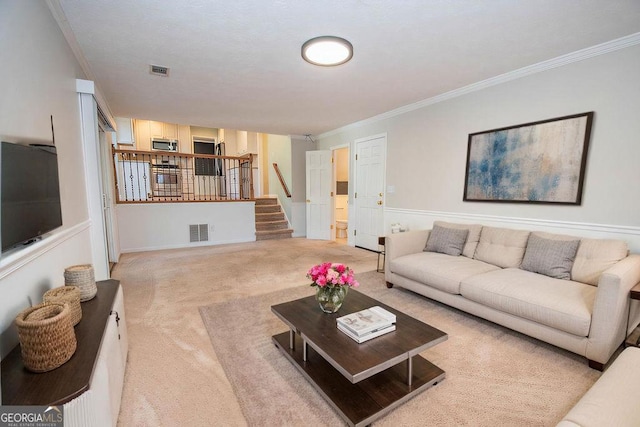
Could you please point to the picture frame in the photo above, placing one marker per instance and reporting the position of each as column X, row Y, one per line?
column 538, row 162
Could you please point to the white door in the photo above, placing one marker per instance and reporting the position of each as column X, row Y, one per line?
column 319, row 194
column 106, row 167
column 93, row 181
column 369, row 191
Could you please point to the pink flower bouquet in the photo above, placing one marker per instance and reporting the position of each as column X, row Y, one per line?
column 331, row 275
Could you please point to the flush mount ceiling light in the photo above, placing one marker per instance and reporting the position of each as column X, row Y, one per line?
column 327, row 51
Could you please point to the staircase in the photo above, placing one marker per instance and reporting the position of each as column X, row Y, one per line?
column 270, row 221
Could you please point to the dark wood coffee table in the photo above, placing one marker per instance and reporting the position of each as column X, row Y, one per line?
column 362, row 382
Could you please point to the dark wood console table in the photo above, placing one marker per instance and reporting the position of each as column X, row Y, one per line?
column 69, row 381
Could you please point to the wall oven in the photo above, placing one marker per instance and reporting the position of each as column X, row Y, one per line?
column 166, row 177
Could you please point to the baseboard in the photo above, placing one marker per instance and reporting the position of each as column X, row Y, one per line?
column 185, row 245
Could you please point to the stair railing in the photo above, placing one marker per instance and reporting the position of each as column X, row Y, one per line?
column 284, row 184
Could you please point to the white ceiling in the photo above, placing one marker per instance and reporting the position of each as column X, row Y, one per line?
column 236, row 63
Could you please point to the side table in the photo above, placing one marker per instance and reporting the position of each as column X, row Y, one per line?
column 634, row 337
column 381, row 242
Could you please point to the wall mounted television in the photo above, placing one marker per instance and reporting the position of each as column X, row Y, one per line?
column 30, row 193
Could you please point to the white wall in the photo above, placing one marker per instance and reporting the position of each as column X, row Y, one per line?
column 37, row 80
column 427, row 148
column 279, row 151
column 299, row 147
column 146, row 227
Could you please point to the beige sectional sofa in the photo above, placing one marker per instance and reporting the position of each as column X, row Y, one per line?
column 613, row 399
column 568, row 291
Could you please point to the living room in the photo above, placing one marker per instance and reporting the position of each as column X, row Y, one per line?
column 426, row 144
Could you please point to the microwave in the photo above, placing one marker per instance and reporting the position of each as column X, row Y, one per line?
column 164, row 144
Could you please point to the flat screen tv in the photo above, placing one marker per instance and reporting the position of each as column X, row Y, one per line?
column 30, row 193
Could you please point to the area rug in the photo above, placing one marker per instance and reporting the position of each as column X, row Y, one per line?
column 494, row 376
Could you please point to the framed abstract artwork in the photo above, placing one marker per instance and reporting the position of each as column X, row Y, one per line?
column 539, row 162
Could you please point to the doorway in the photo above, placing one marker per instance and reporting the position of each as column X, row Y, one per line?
column 369, row 175
column 341, row 191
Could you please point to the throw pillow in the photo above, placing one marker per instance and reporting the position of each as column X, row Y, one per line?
column 473, row 237
column 448, row 241
column 553, row 258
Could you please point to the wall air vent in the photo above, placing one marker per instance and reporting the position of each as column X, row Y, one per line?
column 199, row 233
column 159, row 70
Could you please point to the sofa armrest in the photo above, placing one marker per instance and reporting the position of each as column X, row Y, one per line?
column 611, row 308
column 613, row 399
column 400, row 244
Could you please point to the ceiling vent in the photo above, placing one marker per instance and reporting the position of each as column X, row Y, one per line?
column 159, row 70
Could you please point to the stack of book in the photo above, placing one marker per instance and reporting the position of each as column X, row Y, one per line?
column 367, row 324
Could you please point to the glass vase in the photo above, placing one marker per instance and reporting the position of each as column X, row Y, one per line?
column 330, row 299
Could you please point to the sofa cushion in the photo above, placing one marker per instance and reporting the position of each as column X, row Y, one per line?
column 472, row 238
column 594, row 256
column 448, row 241
column 439, row 271
column 553, row 258
column 503, row 247
column 559, row 304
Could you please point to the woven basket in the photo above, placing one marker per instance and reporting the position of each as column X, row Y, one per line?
column 70, row 295
column 47, row 338
column 81, row 276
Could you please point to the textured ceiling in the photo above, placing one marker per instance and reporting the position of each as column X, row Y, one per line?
column 237, row 64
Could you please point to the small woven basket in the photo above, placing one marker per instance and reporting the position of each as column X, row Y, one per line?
column 83, row 277
column 66, row 294
column 47, row 338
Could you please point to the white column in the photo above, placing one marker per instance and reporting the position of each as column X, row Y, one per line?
column 93, row 179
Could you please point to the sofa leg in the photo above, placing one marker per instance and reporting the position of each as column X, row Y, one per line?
column 596, row 365
column 389, row 285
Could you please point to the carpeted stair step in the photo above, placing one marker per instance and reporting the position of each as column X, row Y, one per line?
column 272, row 225
column 266, row 201
column 275, row 216
column 274, row 234
column 267, row 208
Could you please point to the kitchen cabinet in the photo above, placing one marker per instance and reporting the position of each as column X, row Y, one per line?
column 163, row 130
column 241, row 142
column 184, row 139
column 146, row 130
column 169, row 130
column 228, row 136
column 246, row 142
column 156, row 129
column 124, row 132
column 142, row 135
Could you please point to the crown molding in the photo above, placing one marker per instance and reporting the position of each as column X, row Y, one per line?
column 58, row 14
column 63, row 23
column 560, row 61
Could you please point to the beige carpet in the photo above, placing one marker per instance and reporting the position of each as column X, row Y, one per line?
column 495, row 377
column 173, row 375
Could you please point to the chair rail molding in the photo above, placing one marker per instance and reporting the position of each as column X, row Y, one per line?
column 421, row 219
column 14, row 261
